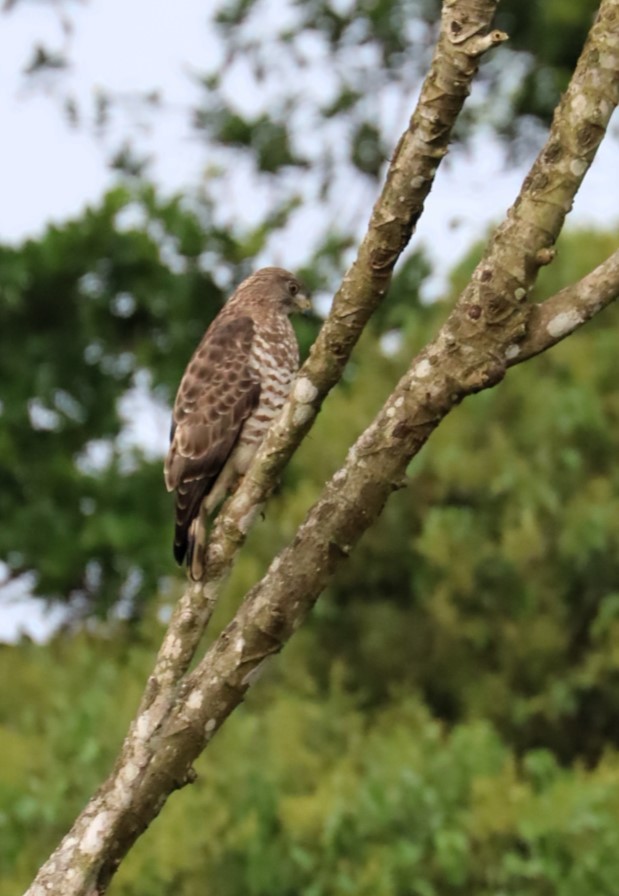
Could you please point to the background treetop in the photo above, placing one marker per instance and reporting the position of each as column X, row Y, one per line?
column 296, row 112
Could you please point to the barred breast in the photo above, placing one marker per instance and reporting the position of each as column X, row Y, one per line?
column 275, row 360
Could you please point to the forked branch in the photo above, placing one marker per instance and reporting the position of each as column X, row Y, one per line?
column 491, row 327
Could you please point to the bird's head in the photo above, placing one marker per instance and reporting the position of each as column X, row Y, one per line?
column 277, row 289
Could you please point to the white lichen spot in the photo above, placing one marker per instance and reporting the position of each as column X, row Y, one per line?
column 302, row 413
column 241, row 503
column 607, row 60
column 422, row 370
column 340, row 476
column 512, row 352
column 355, row 455
column 275, row 565
column 304, row 390
column 563, row 323
column 216, row 552
column 143, row 725
column 210, row 726
column 398, row 402
column 194, row 701
column 129, row 773
column 175, row 648
column 578, row 167
column 239, row 644
column 520, row 293
column 579, row 103
column 390, row 412
column 120, row 795
column 418, row 182
column 245, row 521
column 93, row 835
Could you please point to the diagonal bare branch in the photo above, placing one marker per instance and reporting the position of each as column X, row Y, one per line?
column 447, row 370
column 471, row 352
column 464, row 37
column 118, row 813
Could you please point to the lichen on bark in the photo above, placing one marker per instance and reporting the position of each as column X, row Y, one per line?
column 491, row 327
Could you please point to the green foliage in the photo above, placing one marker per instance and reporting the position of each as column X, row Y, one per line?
column 304, row 791
column 489, row 585
column 446, row 723
column 62, row 713
column 268, row 139
column 522, row 82
column 98, row 306
column 85, row 312
column 490, row 582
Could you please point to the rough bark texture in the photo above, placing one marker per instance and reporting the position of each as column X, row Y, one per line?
column 569, row 309
column 491, row 327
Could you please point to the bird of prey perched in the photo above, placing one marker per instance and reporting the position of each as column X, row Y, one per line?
column 234, row 385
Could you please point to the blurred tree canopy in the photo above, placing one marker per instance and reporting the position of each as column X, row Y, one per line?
column 83, row 311
column 300, row 102
column 508, row 500
column 377, row 50
column 527, row 75
column 100, row 313
column 448, row 722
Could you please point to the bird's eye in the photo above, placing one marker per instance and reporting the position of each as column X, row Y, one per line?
column 293, row 288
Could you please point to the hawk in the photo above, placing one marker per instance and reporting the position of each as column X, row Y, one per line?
column 234, row 385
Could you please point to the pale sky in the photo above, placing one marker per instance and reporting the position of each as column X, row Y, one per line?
column 50, row 171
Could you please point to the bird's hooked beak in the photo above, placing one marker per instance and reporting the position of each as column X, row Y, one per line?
column 302, row 303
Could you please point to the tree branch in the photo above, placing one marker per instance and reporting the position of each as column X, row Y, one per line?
column 463, row 38
column 561, row 314
column 178, row 716
column 127, row 802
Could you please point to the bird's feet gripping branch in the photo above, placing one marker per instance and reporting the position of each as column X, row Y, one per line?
column 233, row 387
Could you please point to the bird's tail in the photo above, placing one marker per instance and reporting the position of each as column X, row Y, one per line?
column 189, row 497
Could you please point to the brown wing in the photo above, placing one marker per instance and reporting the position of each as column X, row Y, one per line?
column 217, row 393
